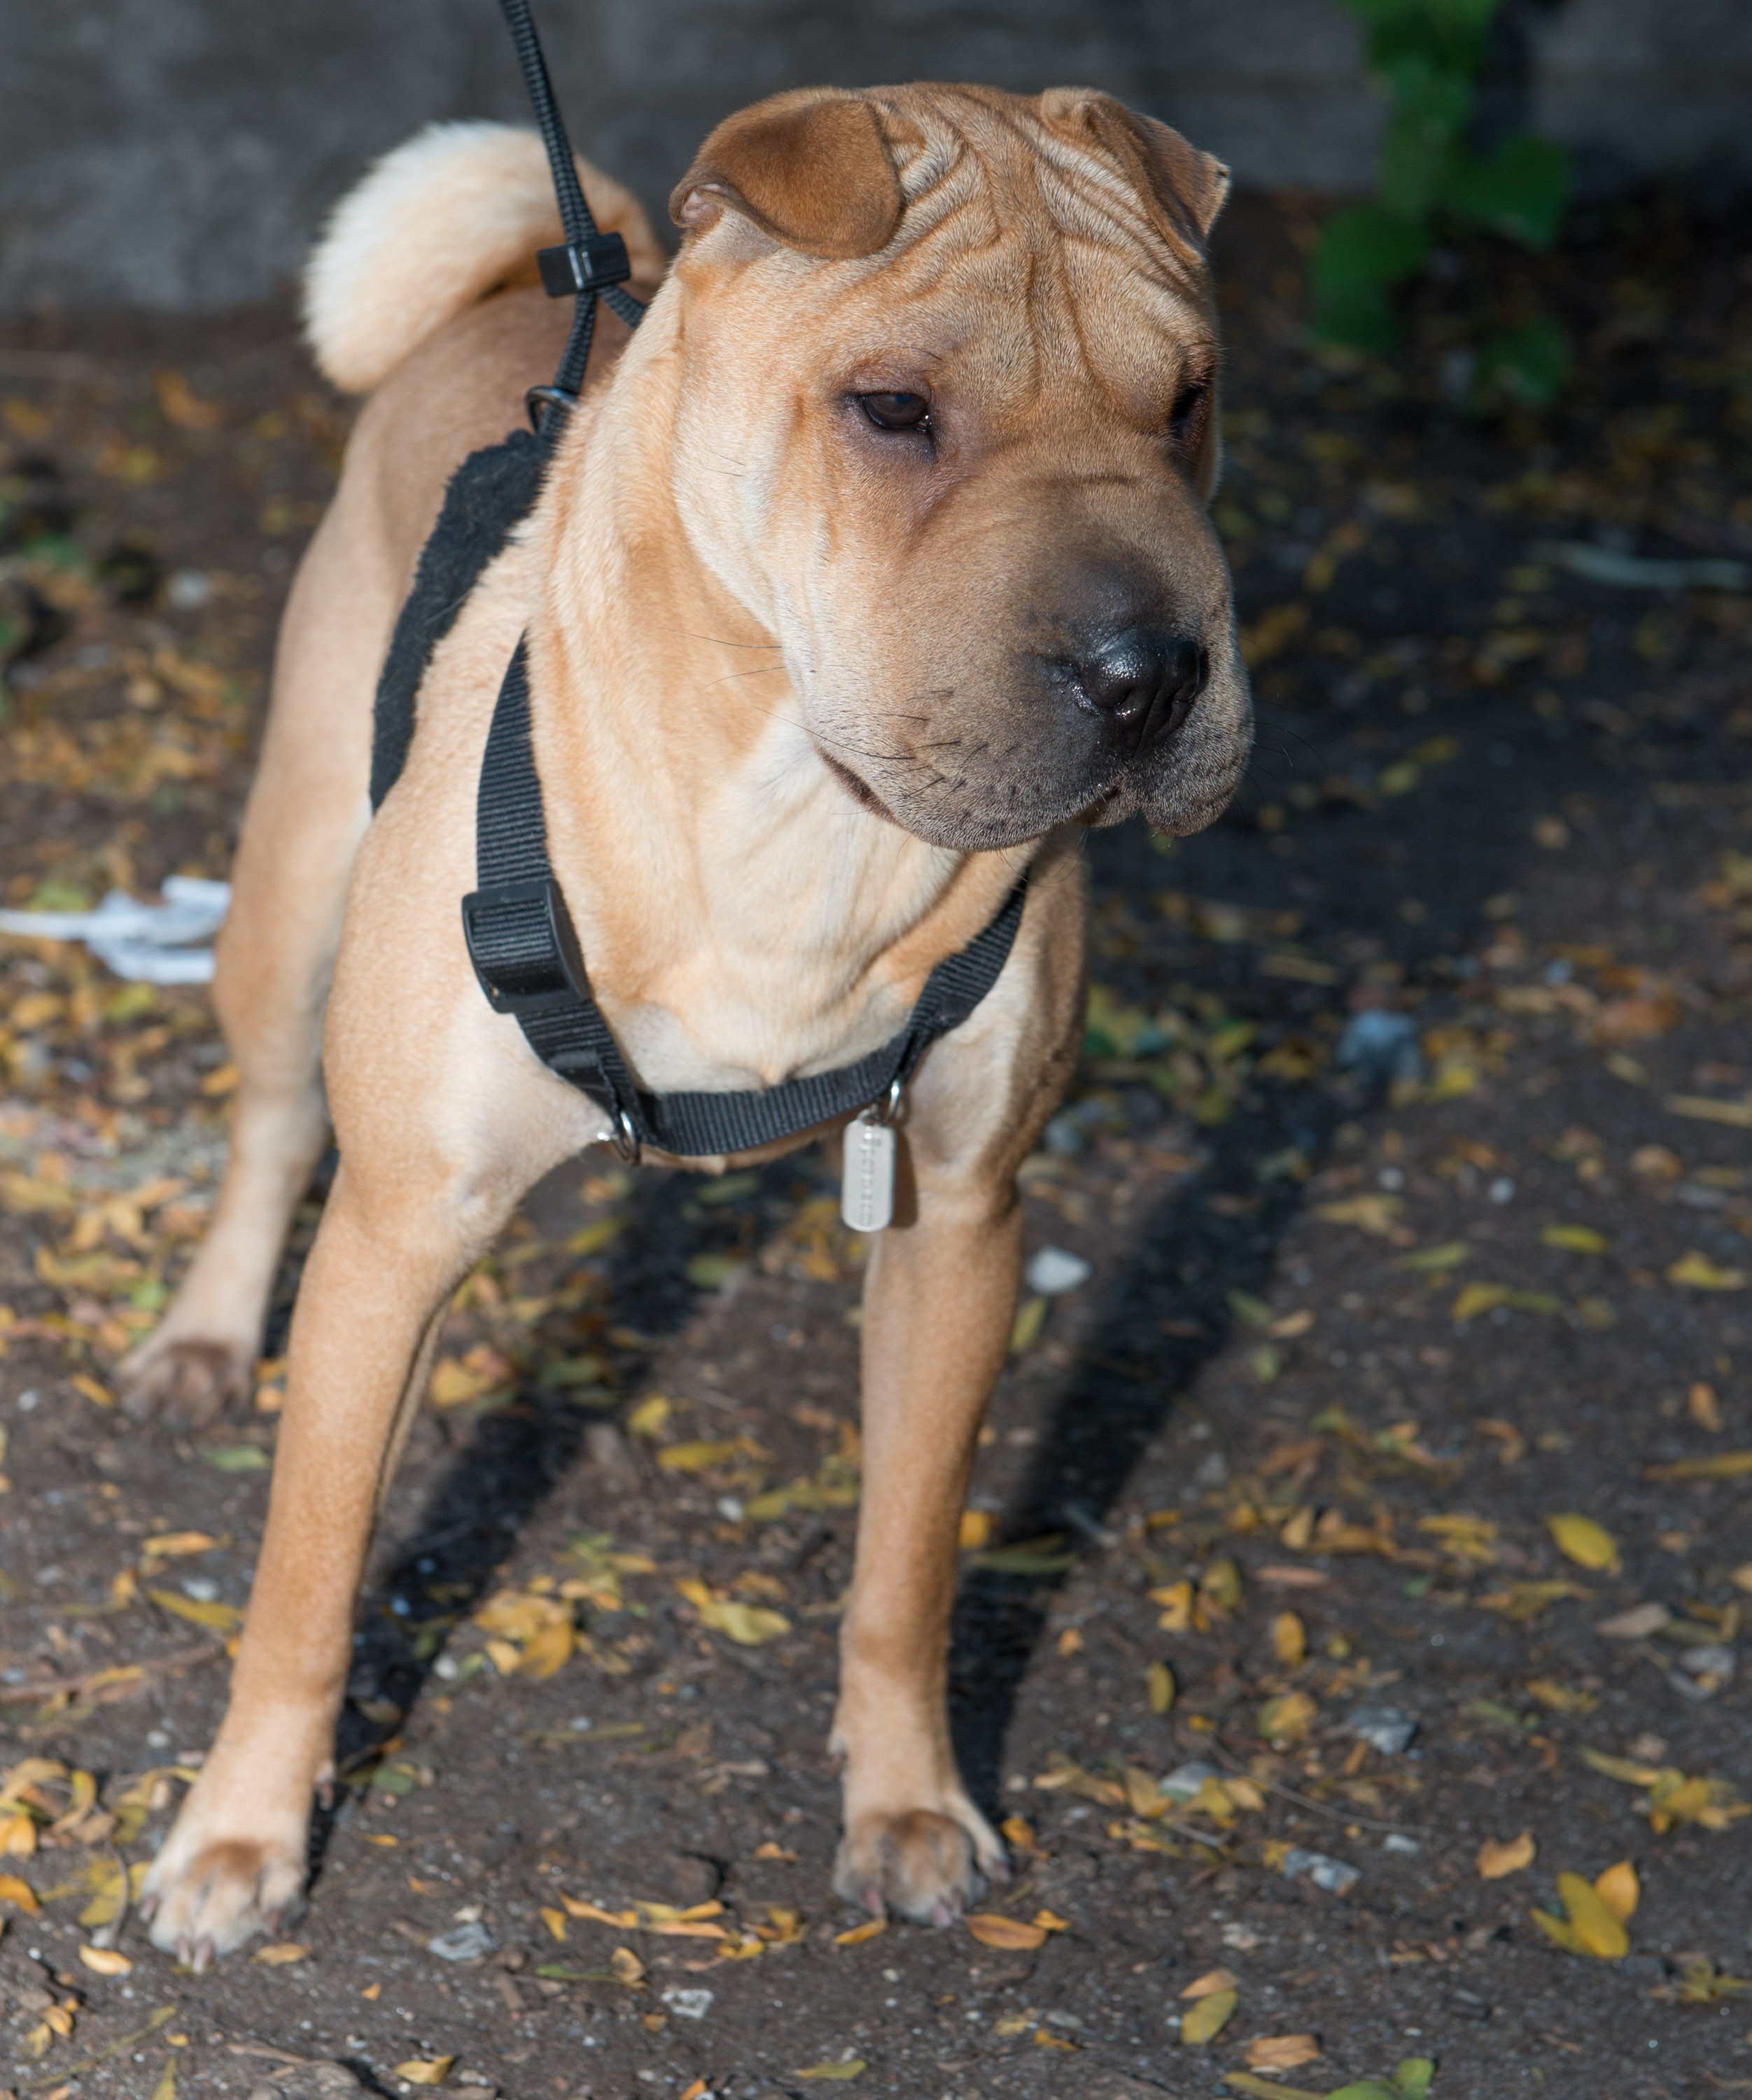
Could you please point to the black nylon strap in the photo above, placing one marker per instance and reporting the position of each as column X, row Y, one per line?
column 520, row 933
column 525, row 956
column 489, row 495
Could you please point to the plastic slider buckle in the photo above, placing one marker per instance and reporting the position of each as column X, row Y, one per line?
column 524, row 949
column 584, row 266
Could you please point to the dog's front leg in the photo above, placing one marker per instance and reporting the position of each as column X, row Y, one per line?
column 939, row 1300
column 362, row 1340
column 939, row 1307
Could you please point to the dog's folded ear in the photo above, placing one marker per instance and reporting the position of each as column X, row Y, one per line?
column 1187, row 188
column 810, row 168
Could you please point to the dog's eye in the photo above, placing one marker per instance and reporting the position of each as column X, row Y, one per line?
column 1186, row 419
column 897, row 412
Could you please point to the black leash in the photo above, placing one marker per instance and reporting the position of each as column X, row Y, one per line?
column 520, row 935
column 589, row 265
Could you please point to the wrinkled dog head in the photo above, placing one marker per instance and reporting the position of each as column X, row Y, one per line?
column 949, row 429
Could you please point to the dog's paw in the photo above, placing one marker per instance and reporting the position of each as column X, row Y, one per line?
column 206, row 1895
column 184, row 1384
column 917, row 1862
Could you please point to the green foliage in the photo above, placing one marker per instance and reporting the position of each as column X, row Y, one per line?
column 1528, row 364
column 1427, row 54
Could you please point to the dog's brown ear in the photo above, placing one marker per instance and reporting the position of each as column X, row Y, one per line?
column 1187, row 188
column 810, row 168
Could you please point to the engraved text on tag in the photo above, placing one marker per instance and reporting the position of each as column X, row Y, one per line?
column 866, row 1187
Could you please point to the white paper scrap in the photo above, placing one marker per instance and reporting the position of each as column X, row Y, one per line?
column 145, row 943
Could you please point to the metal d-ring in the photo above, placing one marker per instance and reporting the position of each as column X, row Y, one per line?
column 885, row 1110
column 623, row 1136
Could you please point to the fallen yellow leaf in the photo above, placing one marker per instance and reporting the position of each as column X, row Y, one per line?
column 426, row 2070
column 852, row 2067
column 1737, row 1115
column 1479, row 1298
column 1158, row 1682
column 168, row 1545
column 696, row 1458
column 1560, row 1698
column 1208, row 1985
column 1373, row 1214
column 1207, row 2018
column 455, row 1383
column 992, row 1929
column 1289, row 1639
column 279, row 1953
column 650, row 1418
column 19, row 1894
column 976, row 1529
column 1582, row 1540
column 1704, row 1405
column 106, row 1961
column 1496, row 1859
column 1698, row 1272
column 873, row 1928
column 1287, row 1717
column 1177, row 1601
column 749, row 1625
column 1720, row 1466
column 1620, row 1891
column 1593, row 1927
column 628, row 1968
column 1280, row 2052
column 218, row 1618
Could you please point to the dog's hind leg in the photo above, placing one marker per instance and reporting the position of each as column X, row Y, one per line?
column 306, row 815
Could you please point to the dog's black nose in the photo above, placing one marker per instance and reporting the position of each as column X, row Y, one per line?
column 1144, row 683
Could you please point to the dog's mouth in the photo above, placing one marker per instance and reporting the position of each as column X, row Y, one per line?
column 860, row 790
column 1107, row 804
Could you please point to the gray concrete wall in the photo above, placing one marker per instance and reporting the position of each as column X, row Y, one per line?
column 178, row 154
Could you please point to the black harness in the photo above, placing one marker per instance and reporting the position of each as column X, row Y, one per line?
column 520, row 936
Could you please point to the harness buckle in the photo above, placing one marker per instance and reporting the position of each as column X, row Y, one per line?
column 584, row 266
column 541, row 402
column 523, row 946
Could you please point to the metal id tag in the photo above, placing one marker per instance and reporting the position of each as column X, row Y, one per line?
column 867, row 1184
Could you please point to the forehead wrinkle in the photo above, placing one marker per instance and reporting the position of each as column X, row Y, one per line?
column 1002, row 150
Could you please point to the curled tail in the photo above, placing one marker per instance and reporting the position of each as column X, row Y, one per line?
column 458, row 210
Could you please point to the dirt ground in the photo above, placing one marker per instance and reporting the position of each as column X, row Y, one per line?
column 1382, row 1488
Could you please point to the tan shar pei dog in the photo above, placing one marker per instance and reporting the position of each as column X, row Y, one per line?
column 872, row 569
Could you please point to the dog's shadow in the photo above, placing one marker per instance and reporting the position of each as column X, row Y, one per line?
column 511, row 1461
column 1186, row 1254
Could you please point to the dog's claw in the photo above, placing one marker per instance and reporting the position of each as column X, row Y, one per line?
column 185, row 1384
column 920, row 1864
column 148, row 1907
